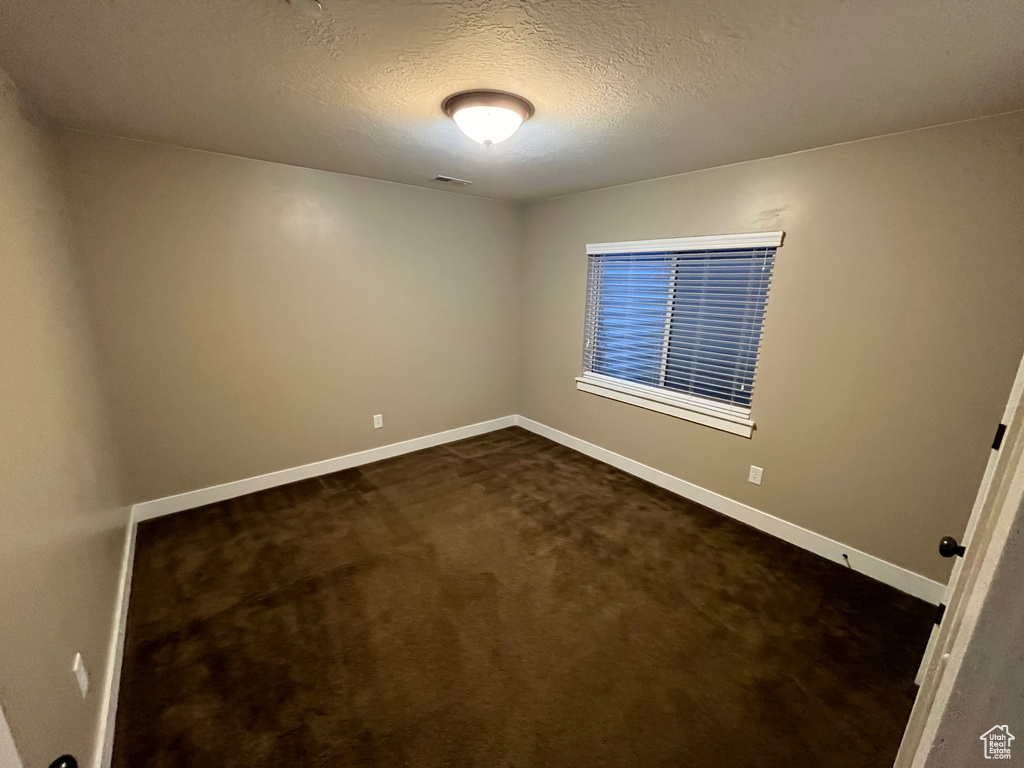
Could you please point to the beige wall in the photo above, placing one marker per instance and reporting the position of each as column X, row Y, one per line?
column 251, row 317
column 61, row 523
column 893, row 331
column 254, row 316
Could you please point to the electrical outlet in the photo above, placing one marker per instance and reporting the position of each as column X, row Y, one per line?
column 81, row 675
column 378, row 421
column 755, row 475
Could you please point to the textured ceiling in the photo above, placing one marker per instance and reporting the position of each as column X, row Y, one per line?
column 624, row 89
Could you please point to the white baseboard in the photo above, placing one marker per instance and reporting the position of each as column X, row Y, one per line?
column 904, row 580
column 881, row 570
column 146, row 510
column 104, row 749
column 192, row 499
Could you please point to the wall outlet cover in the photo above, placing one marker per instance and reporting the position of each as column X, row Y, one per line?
column 755, row 475
column 378, row 421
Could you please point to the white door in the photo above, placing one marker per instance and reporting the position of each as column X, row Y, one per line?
column 8, row 754
column 999, row 498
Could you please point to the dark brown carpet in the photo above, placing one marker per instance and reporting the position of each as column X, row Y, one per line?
column 502, row 601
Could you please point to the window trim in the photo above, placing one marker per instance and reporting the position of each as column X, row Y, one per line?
column 704, row 243
column 697, row 409
column 728, row 418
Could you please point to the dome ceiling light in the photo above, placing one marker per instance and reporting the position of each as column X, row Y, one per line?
column 488, row 117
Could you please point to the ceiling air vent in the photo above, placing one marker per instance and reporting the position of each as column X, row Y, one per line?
column 452, row 181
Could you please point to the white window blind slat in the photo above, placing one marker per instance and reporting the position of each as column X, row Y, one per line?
column 682, row 321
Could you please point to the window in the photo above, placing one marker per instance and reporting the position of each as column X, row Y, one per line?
column 675, row 325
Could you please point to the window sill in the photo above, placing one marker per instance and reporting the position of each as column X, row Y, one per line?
column 707, row 412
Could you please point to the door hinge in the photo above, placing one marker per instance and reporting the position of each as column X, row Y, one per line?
column 940, row 612
column 1000, row 431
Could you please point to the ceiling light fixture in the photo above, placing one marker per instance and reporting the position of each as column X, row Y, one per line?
column 488, row 117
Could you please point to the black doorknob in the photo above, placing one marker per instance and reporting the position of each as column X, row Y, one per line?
column 64, row 761
column 949, row 548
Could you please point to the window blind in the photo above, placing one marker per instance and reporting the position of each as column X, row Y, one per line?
column 682, row 321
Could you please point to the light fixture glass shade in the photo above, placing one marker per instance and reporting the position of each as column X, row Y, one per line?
column 489, row 117
column 488, row 125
